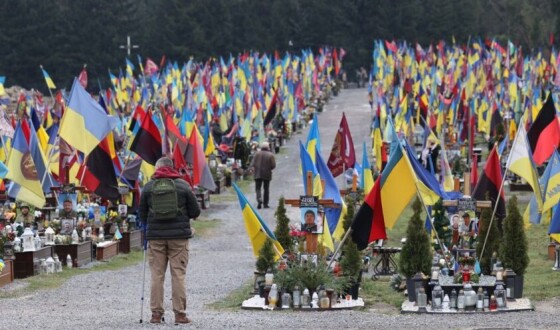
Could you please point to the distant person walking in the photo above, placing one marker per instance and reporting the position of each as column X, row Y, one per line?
column 263, row 163
column 166, row 206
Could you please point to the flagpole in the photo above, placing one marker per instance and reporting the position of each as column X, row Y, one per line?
column 339, row 245
column 56, row 142
column 521, row 122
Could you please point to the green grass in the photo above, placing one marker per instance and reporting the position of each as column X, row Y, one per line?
column 234, row 299
column 54, row 281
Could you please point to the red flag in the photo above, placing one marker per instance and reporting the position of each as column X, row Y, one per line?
column 181, row 164
column 195, row 155
column 83, row 78
column 342, row 152
column 369, row 224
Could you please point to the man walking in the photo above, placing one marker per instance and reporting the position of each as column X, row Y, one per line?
column 166, row 207
column 263, row 163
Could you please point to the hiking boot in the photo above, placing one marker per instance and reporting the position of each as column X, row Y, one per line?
column 157, row 317
column 181, row 318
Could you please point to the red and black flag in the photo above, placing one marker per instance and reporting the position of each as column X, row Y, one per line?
column 490, row 183
column 544, row 133
column 98, row 172
column 271, row 111
column 369, row 224
column 147, row 141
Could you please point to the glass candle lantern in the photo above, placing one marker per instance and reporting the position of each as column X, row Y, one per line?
column 324, row 301
column 49, row 236
column 499, row 269
column 437, row 298
column 28, row 240
column 486, row 301
column 461, row 300
column 296, row 297
column 470, row 297
column 500, row 294
column 480, row 300
column 435, row 271
column 453, row 299
column 493, row 306
column 445, row 304
column 8, row 250
column 422, row 300
column 557, row 261
column 418, row 283
column 510, row 283
column 286, row 300
column 305, row 299
column 17, row 245
column 37, row 241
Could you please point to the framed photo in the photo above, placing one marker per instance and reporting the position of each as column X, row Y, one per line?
column 68, row 196
column 67, row 226
column 311, row 218
column 123, row 210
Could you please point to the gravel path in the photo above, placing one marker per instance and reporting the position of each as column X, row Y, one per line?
column 223, row 261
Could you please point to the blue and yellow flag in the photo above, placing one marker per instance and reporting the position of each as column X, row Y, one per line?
column 257, row 229
column 313, row 139
column 48, row 80
column 21, row 170
column 84, row 123
column 307, row 165
column 366, row 176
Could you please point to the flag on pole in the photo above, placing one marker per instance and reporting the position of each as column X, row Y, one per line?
column 48, row 80
column 257, row 230
column 342, row 152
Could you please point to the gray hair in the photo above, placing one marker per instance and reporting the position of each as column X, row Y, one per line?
column 164, row 162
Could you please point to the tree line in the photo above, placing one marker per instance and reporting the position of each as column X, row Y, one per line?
column 63, row 35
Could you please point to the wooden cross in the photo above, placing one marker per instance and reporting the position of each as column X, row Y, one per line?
column 310, row 238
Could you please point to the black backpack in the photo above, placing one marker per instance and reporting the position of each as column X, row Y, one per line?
column 164, row 199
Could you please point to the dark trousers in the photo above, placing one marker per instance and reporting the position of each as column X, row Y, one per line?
column 258, row 185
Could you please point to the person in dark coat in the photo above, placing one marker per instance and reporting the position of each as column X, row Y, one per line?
column 168, row 241
column 262, row 164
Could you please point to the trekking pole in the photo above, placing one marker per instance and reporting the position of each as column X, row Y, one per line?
column 143, row 273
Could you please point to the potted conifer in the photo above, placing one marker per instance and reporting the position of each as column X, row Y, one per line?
column 416, row 254
column 514, row 246
column 282, row 231
column 351, row 258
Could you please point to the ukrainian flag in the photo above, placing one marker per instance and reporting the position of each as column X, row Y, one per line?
column 257, row 229
column 313, row 140
column 84, row 122
column 21, row 170
column 48, row 80
column 366, row 176
column 307, row 165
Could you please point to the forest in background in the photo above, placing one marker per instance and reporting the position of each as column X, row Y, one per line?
column 63, row 35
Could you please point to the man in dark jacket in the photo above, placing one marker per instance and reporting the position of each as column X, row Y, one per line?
column 263, row 163
column 168, row 241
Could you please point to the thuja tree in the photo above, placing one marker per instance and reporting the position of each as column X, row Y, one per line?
column 350, row 210
column 416, row 254
column 492, row 243
column 513, row 249
column 441, row 225
column 266, row 257
column 282, row 231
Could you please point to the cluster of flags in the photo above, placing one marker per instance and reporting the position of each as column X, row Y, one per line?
column 471, row 90
column 150, row 110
